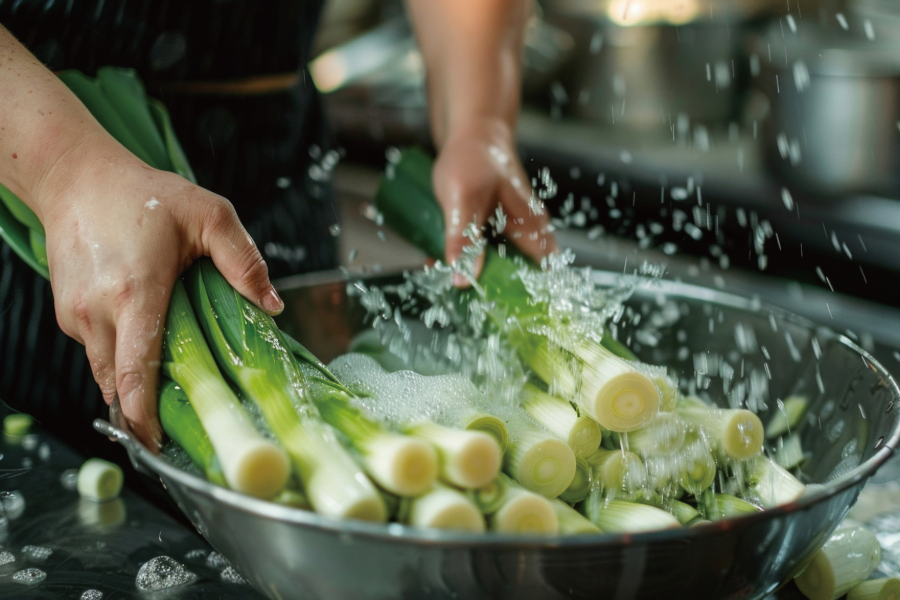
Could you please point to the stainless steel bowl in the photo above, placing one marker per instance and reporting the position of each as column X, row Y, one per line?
column 852, row 428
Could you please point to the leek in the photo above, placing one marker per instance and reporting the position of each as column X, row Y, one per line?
column 617, row 472
column 737, row 433
column 251, row 350
column 603, row 386
column 99, row 480
column 770, row 484
column 581, row 483
column 790, row 453
column 696, row 468
column 468, row 459
column 572, row 522
column 180, row 422
column 682, row 511
column 489, row 498
column 876, row 589
column 845, row 561
column 250, row 463
column 522, row 511
column 581, row 433
column 786, row 419
column 662, row 436
column 443, row 507
column 715, row 506
column 398, row 463
column 540, row 463
column 619, row 516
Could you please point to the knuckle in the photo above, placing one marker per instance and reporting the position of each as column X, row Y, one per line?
column 255, row 271
column 130, row 381
column 220, row 215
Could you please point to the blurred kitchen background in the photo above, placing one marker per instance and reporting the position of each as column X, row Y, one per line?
column 752, row 145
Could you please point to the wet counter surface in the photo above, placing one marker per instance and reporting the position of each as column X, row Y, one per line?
column 54, row 545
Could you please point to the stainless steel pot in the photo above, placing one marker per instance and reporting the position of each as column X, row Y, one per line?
column 852, row 429
column 834, row 99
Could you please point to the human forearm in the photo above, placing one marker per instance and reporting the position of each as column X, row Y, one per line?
column 41, row 122
column 472, row 51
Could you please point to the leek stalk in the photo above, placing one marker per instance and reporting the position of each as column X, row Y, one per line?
column 581, row 433
column 251, row 351
column 844, row 562
column 876, row 589
column 468, row 459
column 540, row 463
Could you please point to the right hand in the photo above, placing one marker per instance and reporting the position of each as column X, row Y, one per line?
column 119, row 233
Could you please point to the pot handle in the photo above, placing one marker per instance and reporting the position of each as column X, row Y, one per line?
column 132, row 446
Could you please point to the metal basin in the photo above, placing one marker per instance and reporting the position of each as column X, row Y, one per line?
column 851, row 429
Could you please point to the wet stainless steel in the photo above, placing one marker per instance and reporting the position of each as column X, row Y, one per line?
column 93, row 546
column 288, row 553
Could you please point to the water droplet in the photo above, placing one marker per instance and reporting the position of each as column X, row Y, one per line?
column 334, row 230
column 29, row 576
column 92, row 595
column 6, row 557
column 69, row 479
column 230, row 575
column 36, row 553
column 161, row 573
column 283, row 182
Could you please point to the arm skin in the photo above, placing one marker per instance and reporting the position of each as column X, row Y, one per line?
column 118, row 232
column 473, row 51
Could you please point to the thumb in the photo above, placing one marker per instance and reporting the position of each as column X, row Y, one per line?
column 237, row 258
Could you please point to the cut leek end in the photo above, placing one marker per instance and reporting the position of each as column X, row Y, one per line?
column 526, row 512
column 787, row 419
column 547, row 467
column 624, row 402
column 697, row 473
column 876, row 589
column 402, row 465
column 580, row 486
column 99, row 480
column 817, row 582
column 367, row 508
column 445, row 508
column 262, row 470
column 475, row 463
column 492, row 426
column 17, row 425
column 743, row 435
column 585, row 437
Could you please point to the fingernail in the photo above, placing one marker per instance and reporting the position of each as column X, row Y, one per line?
column 272, row 302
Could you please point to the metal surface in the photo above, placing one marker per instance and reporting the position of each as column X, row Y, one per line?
column 288, row 553
column 93, row 546
column 835, row 103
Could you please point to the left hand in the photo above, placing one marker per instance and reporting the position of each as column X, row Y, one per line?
column 478, row 169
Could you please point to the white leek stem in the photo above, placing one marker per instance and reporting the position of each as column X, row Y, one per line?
column 572, row 522
column 581, row 433
column 738, row 433
column 771, row 485
column 522, row 511
column 540, row 463
column 876, row 589
column 468, row 459
column 845, row 561
column 444, row 508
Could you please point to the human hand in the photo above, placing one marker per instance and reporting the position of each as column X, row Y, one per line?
column 478, row 169
column 119, row 233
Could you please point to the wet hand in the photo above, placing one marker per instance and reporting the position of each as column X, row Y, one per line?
column 119, row 233
column 478, row 170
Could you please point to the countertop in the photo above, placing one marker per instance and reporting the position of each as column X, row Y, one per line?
column 78, row 545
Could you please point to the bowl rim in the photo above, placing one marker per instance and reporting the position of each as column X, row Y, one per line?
column 144, row 460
